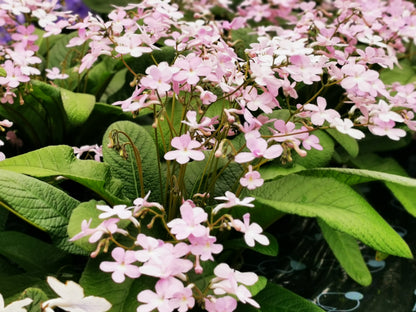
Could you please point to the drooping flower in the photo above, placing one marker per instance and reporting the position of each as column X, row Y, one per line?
column 72, row 298
column 16, row 306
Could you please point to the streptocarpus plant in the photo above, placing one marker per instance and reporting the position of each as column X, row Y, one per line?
column 235, row 119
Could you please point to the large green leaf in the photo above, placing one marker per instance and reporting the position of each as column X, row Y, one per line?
column 127, row 169
column 347, row 251
column 275, row 298
column 40, row 204
column 78, row 106
column 402, row 187
column 60, row 161
column 335, row 203
column 41, row 119
column 20, row 248
column 352, row 176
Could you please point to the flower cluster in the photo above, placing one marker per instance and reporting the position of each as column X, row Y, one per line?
column 231, row 94
column 192, row 242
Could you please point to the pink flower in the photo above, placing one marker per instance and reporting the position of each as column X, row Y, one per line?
column 204, row 246
column 222, row 304
column 54, row 73
column 122, row 267
column 13, row 75
column 192, row 67
column 186, row 149
column 166, row 261
column 357, row 76
column 150, row 247
column 303, row 70
column 163, row 299
column 231, row 201
column 121, row 211
column 189, row 223
column 252, row 232
column 383, row 128
column 158, row 77
column 258, row 148
column 320, row 113
column 140, row 203
column 251, row 179
column 108, row 226
column 346, row 126
column 228, row 281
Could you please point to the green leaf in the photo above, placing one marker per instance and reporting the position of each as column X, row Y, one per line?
column 258, row 286
column 126, row 169
column 228, row 180
column 123, row 297
column 275, row 170
column 347, row 142
column 269, row 250
column 352, row 176
column 40, row 204
column 78, row 106
column 41, row 120
column 242, row 39
column 102, row 116
column 60, row 161
column 21, row 248
column 402, row 188
column 335, row 203
column 37, row 295
column 347, row 251
column 316, row 158
column 275, row 298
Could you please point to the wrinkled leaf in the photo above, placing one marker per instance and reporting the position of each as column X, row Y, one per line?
column 40, row 204
column 335, row 203
column 127, row 169
column 60, row 161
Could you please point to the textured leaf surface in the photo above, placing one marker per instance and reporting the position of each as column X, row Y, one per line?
column 40, row 204
column 335, row 203
column 354, row 176
column 347, row 252
column 126, row 169
column 61, row 161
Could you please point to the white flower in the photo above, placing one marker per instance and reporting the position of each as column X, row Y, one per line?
column 16, row 306
column 72, row 298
